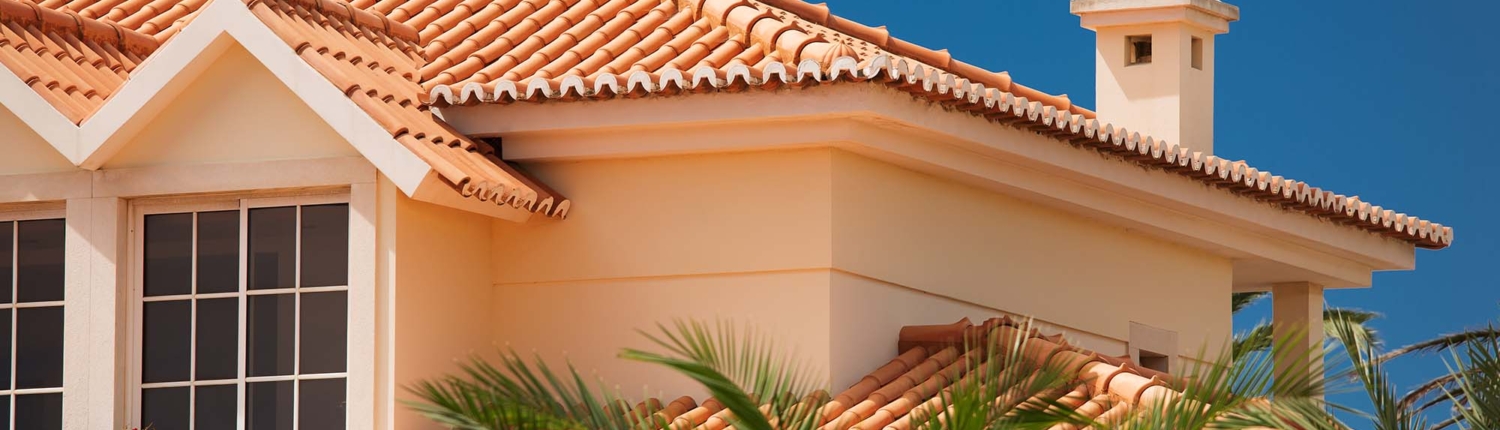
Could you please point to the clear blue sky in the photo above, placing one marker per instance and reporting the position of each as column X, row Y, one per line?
column 1389, row 100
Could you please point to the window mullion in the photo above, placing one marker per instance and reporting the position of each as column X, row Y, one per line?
column 193, row 324
column 15, row 297
column 297, row 320
column 243, row 280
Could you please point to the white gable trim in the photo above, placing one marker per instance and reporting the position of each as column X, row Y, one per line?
column 176, row 64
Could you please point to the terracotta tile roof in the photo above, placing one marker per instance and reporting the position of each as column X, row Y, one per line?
column 909, row 388
column 374, row 61
column 73, row 62
column 477, row 51
column 501, row 44
column 160, row 19
column 503, row 51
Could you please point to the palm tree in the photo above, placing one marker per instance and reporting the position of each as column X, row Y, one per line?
column 761, row 390
column 1479, row 346
column 1258, row 338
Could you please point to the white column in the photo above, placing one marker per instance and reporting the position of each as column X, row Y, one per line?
column 1297, row 318
column 94, row 318
column 362, row 398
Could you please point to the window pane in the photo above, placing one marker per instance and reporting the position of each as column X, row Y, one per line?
column 164, row 408
column 268, row 405
column 39, row 348
column 219, row 252
column 325, row 245
column 5, row 412
column 273, row 244
column 4, row 350
column 39, row 411
column 165, row 341
column 325, row 332
column 169, row 254
column 218, row 339
column 7, row 257
column 39, row 258
column 270, row 334
column 216, row 408
column 321, row 404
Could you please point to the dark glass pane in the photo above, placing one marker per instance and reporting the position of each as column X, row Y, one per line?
column 165, row 408
column 325, row 245
column 273, row 246
column 169, row 255
column 165, row 342
column 39, row 411
column 218, row 339
column 218, row 252
column 325, row 332
column 268, row 405
column 39, row 260
column 216, row 408
column 5, row 412
column 39, row 348
column 270, row 334
column 5, row 349
column 7, row 258
column 321, row 404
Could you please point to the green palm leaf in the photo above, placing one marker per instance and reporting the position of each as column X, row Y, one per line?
column 763, row 389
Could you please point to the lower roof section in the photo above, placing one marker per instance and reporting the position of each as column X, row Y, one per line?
column 934, row 360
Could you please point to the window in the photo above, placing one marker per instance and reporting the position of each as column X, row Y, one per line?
column 1197, row 53
column 1137, row 50
column 243, row 312
column 31, row 323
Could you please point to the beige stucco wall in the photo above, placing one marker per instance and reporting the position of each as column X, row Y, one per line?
column 24, row 151
column 236, row 111
column 840, row 249
column 439, row 309
column 970, row 244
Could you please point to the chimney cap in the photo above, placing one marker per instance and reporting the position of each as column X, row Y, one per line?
column 1214, row 15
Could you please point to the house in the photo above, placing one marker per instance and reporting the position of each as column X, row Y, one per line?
column 277, row 213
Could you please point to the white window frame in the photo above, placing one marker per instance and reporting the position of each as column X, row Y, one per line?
column 361, row 299
column 15, row 216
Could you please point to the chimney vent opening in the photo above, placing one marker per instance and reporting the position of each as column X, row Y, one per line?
column 1137, row 50
column 1198, row 53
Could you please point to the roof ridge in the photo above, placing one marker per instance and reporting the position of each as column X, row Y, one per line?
column 103, row 32
column 820, row 14
column 360, row 17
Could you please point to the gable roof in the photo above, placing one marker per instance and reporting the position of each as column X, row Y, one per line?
column 904, row 392
column 74, row 63
column 507, row 51
column 374, row 61
column 76, row 57
column 504, row 51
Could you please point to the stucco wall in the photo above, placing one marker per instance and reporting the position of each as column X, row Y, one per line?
column 841, row 249
column 25, row 151
column 442, row 292
column 868, row 316
column 236, row 111
column 588, row 322
column 996, row 251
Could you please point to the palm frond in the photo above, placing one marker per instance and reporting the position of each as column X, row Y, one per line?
column 1477, row 396
column 762, row 388
column 998, row 385
column 516, row 396
column 1246, row 392
column 1444, row 342
column 1240, row 301
column 1365, row 366
column 1259, row 338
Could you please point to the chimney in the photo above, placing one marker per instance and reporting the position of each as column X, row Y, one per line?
column 1154, row 65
